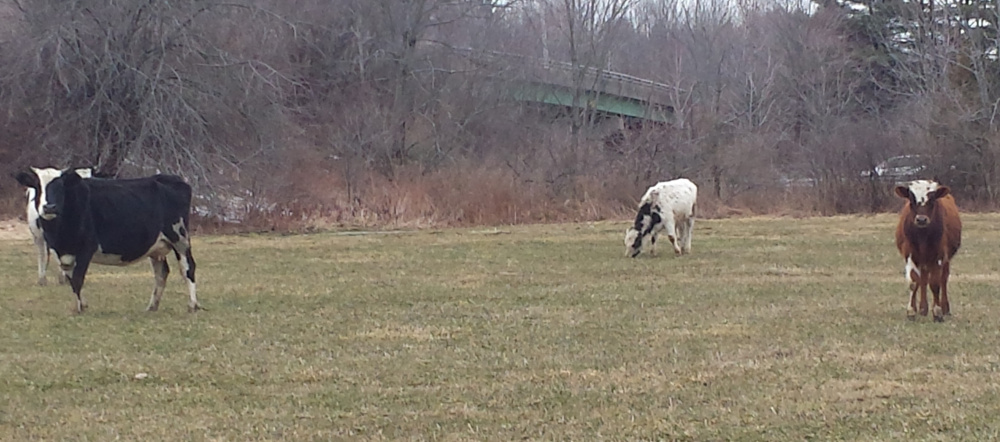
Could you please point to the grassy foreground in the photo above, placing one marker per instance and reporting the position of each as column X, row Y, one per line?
column 774, row 329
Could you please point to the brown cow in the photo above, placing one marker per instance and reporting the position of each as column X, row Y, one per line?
column 928, row 235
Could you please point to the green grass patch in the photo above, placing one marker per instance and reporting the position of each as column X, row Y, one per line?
column 773, row 329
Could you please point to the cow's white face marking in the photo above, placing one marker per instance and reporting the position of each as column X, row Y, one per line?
column 45, row 176
column 630, row 236
column 921, row 190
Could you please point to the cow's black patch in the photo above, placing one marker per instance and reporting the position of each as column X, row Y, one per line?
column 190, row 270
column 640, row 217
column 654, row 220
column 27, row 179
column 171, row 235
column 30, row 180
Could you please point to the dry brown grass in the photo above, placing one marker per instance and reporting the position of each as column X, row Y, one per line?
column 773, row 329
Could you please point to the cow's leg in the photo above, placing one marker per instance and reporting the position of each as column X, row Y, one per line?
column 923, row 293
column 935, row 283
column 688, row 228
column 945, row 272
column 679, row 234
column 181, row 243
column 160, row 272
column 652, row 243
column 913, row 281
column 187, row 268
column 76, row 267
column 671, row 229
column 43, row 259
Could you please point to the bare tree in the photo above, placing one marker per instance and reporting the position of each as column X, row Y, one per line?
column 404, row 32
column 590, row 29
column 128, row 81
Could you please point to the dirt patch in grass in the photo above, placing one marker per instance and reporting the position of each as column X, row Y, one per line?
column 14, row 230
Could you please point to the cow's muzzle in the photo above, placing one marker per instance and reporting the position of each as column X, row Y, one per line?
column 49, row 212
column 921, row 220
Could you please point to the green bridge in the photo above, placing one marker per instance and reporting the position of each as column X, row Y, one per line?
column 555, row 83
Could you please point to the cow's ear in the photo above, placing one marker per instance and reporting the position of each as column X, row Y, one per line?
column 941, row 192
column 27, row 179
column 903, row 192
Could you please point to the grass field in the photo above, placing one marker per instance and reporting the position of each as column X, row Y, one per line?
column 773, row 329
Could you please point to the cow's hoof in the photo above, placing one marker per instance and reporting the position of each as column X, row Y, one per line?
column 194, row 308
column 42, row 282
column 938, row 314
column 152, row 308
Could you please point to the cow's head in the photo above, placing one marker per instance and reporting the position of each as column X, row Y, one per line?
column 647, row 218
column 36, row 180
column 53, row 198
column 923, row 196
column 633, row 242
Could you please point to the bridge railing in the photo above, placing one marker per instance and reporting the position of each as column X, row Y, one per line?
column 566, row 74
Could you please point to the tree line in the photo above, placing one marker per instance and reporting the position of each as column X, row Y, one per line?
column 374, row 111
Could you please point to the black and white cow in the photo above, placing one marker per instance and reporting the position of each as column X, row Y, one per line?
column 118, row 222
column 667, row 206
column 34, row 182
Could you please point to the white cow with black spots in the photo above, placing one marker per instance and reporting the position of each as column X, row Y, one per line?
column 668, row 206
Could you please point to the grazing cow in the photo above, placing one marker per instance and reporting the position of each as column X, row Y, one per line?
column 928, row 236
column 119, row 222
column 670, row 206
column 34, row 182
